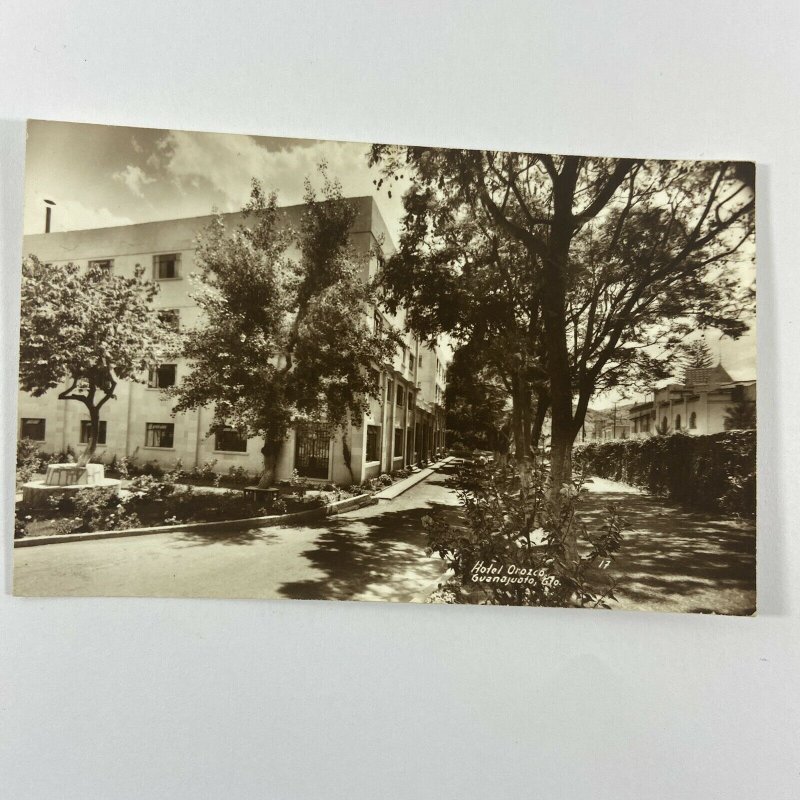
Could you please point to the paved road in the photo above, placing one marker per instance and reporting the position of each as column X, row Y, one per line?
column 374, row 553
column 674, row 559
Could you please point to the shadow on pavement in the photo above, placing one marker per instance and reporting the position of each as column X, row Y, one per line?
column 674, row 559
column 383, row 556
column 227, row 536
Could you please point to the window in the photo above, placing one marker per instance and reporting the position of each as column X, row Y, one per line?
column 376, row 381
column 410, row 399
column 159, row 434
column 400, row 395
column 693, row 420
column 230, row 439
column 398, row 442
column 166, row 267
column 32, row 428
column 170, row 318
column 103, row 263
column 162, row 377
column 85, row 428
column 377, row 321
column 389, row 386
column 373, row 443
column 678, row 422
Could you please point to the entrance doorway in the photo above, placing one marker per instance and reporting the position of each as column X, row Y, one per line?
column 312, row 448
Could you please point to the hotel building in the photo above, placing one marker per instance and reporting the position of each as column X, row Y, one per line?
column 406, row 424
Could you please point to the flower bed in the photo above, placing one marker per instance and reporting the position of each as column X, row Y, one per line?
column 150, row 502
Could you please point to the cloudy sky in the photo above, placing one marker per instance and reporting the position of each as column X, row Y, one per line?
column 102, row 175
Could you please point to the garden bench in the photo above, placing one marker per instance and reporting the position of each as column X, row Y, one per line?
column 256, row 493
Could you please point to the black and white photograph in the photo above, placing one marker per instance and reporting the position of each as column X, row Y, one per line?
column 299, row 369
column 398, row 400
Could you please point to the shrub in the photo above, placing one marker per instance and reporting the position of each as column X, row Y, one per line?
column 384, row 480
column 146, row 487
column 511, row 548
column 714, row 473
column 21, row 520
column 93, row 510
column 29, row 460
column 298, row 484
column 67, row 456
column 239, row 476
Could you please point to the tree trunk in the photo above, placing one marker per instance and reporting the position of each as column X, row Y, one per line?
column 542, row 407
column 347, row 455
column 521, row 425
column 270, row 452
column 94, row 433
column 558, row 362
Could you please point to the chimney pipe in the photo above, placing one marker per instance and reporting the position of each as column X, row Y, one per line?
column 48, row 210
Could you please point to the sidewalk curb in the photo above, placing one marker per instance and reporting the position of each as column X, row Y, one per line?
column 396, row 489
column 328, row 510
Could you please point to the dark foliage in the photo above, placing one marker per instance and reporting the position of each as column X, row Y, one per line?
column 716, row 472
column 513, row 547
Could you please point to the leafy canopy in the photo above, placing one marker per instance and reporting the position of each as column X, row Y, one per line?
column 287, row 328
column 86, row 327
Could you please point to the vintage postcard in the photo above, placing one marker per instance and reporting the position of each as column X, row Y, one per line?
column 260, row 367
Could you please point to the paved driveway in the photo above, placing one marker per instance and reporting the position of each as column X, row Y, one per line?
column 375, row 553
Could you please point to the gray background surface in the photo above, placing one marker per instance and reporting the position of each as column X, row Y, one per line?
column 168, row 698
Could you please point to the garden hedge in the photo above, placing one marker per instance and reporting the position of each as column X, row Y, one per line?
column 714, row 473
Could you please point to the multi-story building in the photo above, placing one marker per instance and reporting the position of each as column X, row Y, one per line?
column 696, row 406
column 406, row 424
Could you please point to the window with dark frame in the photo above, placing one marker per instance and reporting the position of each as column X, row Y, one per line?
column 373, row 442
column 86, row 426
column 398, row 443
column 230, row 440
column 32, row 428
column 162, row 376
column 159, row 434
column 389, row 386
column 166, row 266
column 103, row 263
column 400, row 395
column 693, row 420
column 410, row 399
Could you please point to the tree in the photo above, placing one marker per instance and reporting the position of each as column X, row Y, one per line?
column 453, row 274
column 476, row 401
column 624, row 257
column 696, row 355
column 89, row 329
column 741, row 416
column 283, row 339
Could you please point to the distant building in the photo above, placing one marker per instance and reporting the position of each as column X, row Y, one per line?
column 696, row 406
column 405, row 425
column 608, row 424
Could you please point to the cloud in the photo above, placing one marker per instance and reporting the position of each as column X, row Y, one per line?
column 69, row 215
column 134, row 178
column 227, row 163
column 76, row 216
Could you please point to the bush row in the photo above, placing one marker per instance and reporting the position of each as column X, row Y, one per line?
column 714, row 473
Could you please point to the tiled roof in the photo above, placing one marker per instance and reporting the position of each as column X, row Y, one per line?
column 706, row 375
